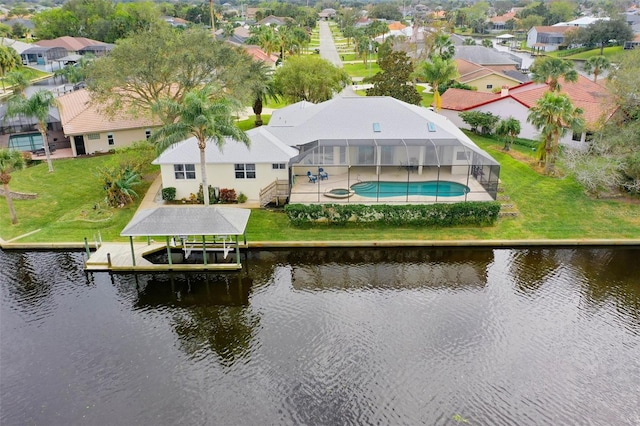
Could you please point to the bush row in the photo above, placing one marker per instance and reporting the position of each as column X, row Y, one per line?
column 468, row 213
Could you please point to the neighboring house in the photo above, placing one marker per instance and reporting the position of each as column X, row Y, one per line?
column 352, row 138
column 246, row 170
column 90, row 131
column 487, row 57
column 22, row 133
column 258, row 54
column 240, row 35
column 27, row 24
column 175, row 22
column 18, row 46
column 632, row 44
column 582, row 22
column 591, row 97
column 486, row 79
column 363, row 22
column 41, row 55
column 547, row 38
column 327, row 14
column 499, row 22
column 275, row 21
column 78, row 45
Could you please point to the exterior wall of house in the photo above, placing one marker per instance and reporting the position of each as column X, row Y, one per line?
column 510, row 107
column 99, row 142
column 532, row 37
column 494, row 80
column 224, row 176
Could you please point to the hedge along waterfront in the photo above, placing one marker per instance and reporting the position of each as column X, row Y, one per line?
column 436, row 215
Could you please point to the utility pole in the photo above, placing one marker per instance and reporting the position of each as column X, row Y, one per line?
column 213, row 24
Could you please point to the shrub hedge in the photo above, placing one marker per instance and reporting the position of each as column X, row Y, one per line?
column 437, row 215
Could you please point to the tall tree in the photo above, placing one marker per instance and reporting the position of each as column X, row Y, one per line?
column 18, row 82
column 437, row 72
column 262, row 87
column 509, row 128
column 309, row 78
column 9, row 59
column 554, row 115
column 10, row 160
column 38, row 106
column 202, row 116
column 394, row 79
column 443, row 46
column 595, row 65
column 163, row 63
column 549, row 70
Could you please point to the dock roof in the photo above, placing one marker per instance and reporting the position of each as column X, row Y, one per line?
column 188, row 220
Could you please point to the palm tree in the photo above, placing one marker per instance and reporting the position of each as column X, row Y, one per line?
column 202, row 116
column 262, row 87
column 443, row 45
column 549, row 70
column 9, row 59
column 437, row 72
column 487, row 43
column 509, row 128
column 595, row 65
column 10, row 160
column 18, row 82
column 554, row 115
column 37, row 106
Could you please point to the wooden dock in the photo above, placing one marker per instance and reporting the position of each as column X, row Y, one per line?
column 117, row 257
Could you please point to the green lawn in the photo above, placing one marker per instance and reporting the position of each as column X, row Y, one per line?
column 580, row 54
column 359, row 69
column 70, row 203
column 553, row 208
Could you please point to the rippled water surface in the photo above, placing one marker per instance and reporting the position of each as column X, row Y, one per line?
column 326, row 337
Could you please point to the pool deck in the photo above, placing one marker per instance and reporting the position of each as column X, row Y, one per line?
column 305, row 192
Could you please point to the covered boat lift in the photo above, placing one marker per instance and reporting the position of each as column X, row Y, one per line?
column 203, row 228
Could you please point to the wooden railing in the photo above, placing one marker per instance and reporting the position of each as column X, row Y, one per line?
column 277, row 191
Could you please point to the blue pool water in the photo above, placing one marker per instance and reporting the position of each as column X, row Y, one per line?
column 394, row 189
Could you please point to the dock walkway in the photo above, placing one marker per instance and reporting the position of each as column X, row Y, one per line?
column 117, row 257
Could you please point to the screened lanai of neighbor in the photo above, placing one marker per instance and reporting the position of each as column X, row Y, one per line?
column 381, row 150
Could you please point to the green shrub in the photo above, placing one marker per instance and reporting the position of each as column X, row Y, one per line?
column 242, row 198
column 169, row 194
column 440, row 215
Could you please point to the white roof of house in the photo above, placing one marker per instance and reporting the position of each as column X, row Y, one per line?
column 18, row 46
column 264, row 148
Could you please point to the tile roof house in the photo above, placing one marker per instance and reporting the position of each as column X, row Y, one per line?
column 258, row 54
column 273, row 20
column 78, row 45
column 591, row 97
column 486, row 56
column 499, row 22
column 91, row 131
column 351, row 138
column 486, row 79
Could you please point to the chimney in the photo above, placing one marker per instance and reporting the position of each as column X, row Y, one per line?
column 505, row 91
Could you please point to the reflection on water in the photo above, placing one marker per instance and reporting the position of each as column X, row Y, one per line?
column 326, row 336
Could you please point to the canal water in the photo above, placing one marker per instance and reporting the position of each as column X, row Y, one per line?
column 326, row 337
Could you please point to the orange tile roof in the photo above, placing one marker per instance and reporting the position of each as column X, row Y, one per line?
column 461, row 100
column 257, row 53
column 470, row 71
column 503, row 18
column 591, row 97
column 71, row 44
column 78, row 116
column 397, row 26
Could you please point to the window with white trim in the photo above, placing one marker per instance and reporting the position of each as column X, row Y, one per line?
column 278, row 166
column 489, row 86
column 184, row 171
column 110, row 139
column 245, row 171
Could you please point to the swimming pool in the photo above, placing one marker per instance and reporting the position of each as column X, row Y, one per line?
column 393, row 189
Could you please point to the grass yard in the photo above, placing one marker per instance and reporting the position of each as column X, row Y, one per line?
column 580, row 54
column 70, row 207
column 70, row 204
column 359, row 69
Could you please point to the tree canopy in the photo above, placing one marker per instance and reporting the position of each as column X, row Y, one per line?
column 394, row 79
column 310, row 79
column 164, row 63
column 549, row 70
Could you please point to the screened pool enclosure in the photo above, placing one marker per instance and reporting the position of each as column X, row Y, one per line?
column 420, row 170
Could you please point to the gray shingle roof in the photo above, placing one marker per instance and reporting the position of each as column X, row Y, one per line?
column 187, row 220
column 482, row 55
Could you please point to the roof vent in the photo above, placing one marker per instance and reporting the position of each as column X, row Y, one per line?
column 431, row 126
column 376, row 127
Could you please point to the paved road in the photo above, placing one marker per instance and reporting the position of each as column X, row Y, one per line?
column 328, row 49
